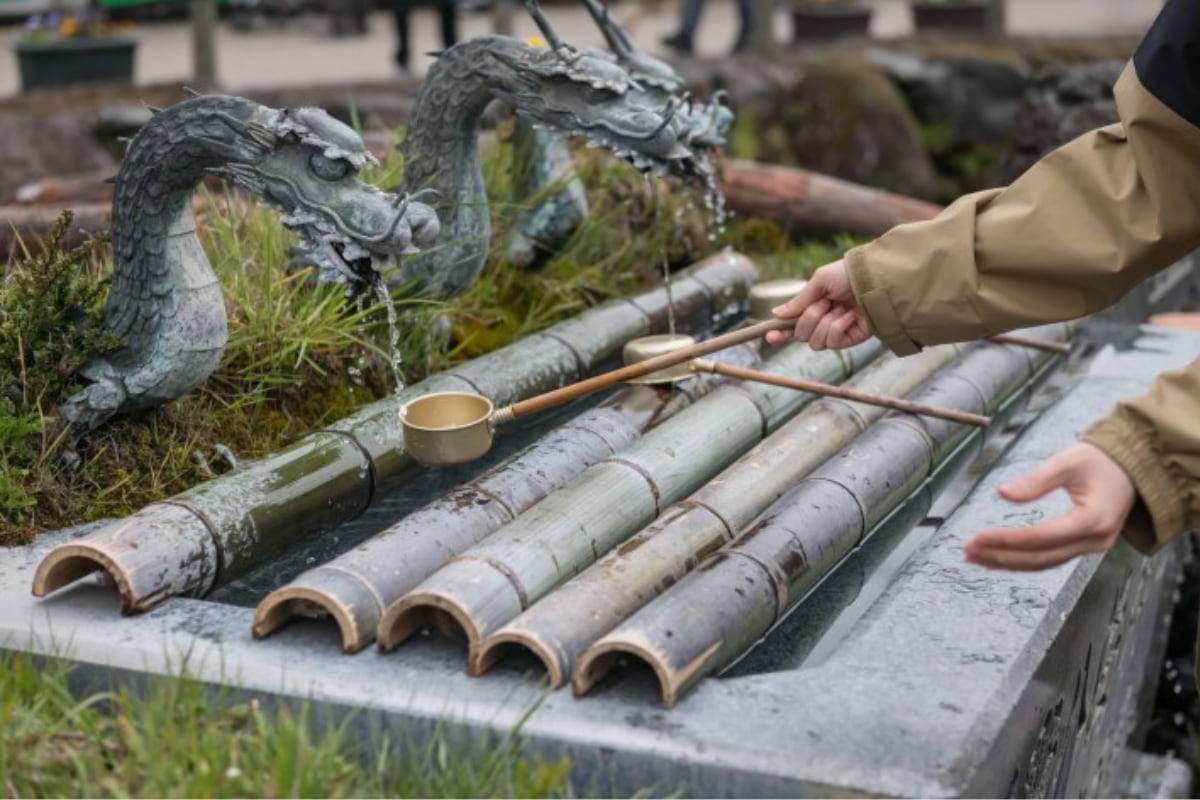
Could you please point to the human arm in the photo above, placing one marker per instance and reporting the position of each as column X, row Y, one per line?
column 1069, row 237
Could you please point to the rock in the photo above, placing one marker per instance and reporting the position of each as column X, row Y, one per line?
column 50, row 144
column 838, row 114
column 1063, row 102
column 976, row 97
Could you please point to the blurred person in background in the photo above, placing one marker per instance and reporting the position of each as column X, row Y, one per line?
column 447, row 10
column 689, row 22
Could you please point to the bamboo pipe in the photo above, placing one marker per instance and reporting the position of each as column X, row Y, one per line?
column 724, row 606
column 843, row 392
column 355, row 588
column 215, row 531
column 491, row 583
column 559, row 627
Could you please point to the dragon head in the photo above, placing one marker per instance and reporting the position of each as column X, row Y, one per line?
column 588, row 93
column 306, row 164
column 707, row 125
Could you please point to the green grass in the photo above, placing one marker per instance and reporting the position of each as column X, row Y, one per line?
column 175, row 737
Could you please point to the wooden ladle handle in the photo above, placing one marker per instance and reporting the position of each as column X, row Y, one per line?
column 843, row 392
column 574, row 391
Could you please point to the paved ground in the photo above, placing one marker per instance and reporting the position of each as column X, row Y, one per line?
column 301, row 53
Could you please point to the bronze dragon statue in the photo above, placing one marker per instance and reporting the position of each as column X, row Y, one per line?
column 553, row 198
column 572, row 92
column 164, row 301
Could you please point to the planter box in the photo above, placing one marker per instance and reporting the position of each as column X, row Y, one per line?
column 811, row 21
column 74, row 61
column 951, row 17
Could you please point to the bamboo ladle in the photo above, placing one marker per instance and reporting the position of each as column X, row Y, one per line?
column 447, row 428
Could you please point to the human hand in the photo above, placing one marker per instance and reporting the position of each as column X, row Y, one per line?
column 826, row 312
column 1102, row 495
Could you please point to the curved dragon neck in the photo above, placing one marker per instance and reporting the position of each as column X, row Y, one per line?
column 164, row 300
column 442, row 152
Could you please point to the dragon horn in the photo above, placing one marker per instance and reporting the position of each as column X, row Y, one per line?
column 543, row 24
column 617, row 42
column 672, row 107
column 429, row 192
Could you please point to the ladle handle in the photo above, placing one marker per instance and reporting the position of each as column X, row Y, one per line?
column 1062, row 348
column 844, row 393
column 574, row 391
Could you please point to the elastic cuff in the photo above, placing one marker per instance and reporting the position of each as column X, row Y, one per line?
column 1161, row 517
column 876, row 303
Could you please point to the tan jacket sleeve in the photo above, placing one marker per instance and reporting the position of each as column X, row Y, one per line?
column 1156, row 440
column 1068, row 238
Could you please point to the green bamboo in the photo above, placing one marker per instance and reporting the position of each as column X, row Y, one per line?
column 250, row 515
column 490, row 584
column 560, row 626
column 355, row 588
column 721, row 608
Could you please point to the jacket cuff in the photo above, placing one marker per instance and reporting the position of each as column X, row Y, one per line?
column 1160, row 515
column 876, row 303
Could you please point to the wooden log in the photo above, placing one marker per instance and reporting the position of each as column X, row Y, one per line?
column 711, row 616
column 559, row 627
column 816, row 203
column 485, row 587
column 29, row 225
column 331, row 475
column 84, row 187
column 355, row 588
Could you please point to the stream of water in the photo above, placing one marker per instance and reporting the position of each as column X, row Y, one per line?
column 385, row 297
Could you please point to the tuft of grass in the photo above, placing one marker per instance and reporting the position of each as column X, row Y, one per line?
column 176, row 737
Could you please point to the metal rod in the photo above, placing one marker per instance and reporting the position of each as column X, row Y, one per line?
column 843, row 392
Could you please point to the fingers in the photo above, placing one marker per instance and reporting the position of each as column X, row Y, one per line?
column 1080, row 523
column 1054, row 474
column 812, row 291
column 1031, row 560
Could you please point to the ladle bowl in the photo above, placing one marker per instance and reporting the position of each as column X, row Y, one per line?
column 769, row 294
column 448, row 428
column 644, row 348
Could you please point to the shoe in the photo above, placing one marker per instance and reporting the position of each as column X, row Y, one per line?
column 679, row 42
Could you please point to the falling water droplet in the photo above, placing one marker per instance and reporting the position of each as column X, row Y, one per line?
column 714, row 200
column 385, row 297
column 652, row 187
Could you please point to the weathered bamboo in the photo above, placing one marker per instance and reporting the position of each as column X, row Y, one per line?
column 814, row 202
column 355, row 588
column 559, row 627
column 490, row 584
column 217, row 530
column 730, row 601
